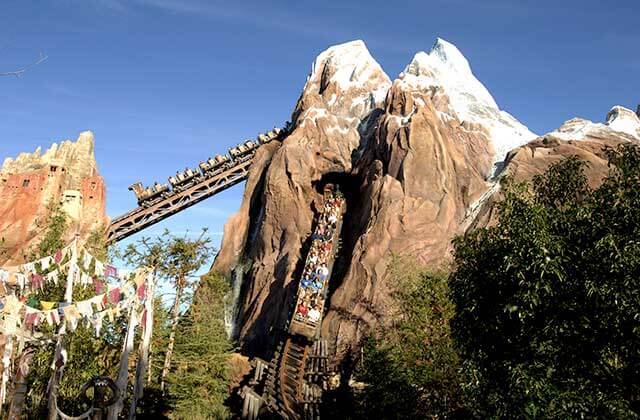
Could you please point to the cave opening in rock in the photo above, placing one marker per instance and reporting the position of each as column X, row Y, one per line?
column 350, row 185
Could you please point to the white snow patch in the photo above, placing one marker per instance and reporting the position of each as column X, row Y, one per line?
column 338, row 129
column 348, row 65
column 624, row 120
column 445, row 66
column 472, row 212
column 619, row 119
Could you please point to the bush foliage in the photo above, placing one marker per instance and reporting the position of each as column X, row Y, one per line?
column 548, row 299
column 411, row 368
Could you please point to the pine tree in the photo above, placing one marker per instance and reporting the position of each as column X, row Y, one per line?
column 199, row 381
column 185, row 257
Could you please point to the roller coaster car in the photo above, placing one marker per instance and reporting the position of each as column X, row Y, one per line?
column 274, row 133
column 304, row 325
column 182, row 178
column 153, row 192
column 137, row 189
column 288, row 126
column 266, row 138
column 242, row 149
column 213, row 163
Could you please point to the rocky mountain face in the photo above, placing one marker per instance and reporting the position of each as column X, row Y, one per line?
column 576, row 137
column 66, row 173
column 417, row 158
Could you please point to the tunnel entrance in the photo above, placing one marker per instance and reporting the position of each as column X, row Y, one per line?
column 350, row 185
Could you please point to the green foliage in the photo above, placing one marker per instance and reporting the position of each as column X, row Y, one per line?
column 88, row 356
column 197, row 377
column 411, row 368
column 96, row 244
column 160, row 339
column 548, row 300
column 56, row 228
column 175, row 259
column 199, row 381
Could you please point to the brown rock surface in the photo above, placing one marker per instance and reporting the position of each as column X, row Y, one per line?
column 576, row 137
column 412, row 158
column 408, row 173
column 66, row 173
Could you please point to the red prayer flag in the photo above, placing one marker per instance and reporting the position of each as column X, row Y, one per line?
column 110, row 271
column 141, row 291
column 97, row 284
column 29, row 319
column 58, row 257
column 114, row 295
column 36, row 281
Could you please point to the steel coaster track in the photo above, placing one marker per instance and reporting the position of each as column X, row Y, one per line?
column 203, row 186
column 143, row 217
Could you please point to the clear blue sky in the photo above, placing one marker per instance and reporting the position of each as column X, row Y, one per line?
column 165, row 83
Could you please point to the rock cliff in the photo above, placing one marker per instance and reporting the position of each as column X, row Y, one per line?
column 417, row 159
column 66, row 173
column 576, row 137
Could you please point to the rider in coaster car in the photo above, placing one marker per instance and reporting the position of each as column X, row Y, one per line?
column 303, row 309
column 314, row 315
column 322, row 272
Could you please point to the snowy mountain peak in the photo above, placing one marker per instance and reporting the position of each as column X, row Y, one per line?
column 624, row 120
column 347, row 65
column 348, row 80
column 619, row 119
column 451, row 55
column 446, row 67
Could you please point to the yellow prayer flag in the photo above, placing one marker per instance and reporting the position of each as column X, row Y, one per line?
column 47, row 306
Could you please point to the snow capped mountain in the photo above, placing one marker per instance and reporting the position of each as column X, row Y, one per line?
column 348, row 65
column 624, row 120
column 619, row 120
column 348, row 79
column 445, row 67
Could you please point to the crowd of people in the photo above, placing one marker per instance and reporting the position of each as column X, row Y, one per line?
column 316, row 270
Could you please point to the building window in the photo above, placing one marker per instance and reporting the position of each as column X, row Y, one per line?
column 54, row 168
column 25, row 183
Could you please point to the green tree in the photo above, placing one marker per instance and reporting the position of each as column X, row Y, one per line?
column 410, row 368
column 199, row 380
column 176, row 259
column 185, row 257
column 88, row 356
column 548, row 300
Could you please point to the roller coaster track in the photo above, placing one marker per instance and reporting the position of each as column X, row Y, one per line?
column 292, row 367
column 204, row 186
column 291, row 387
column 143, row 217
column 299, row 367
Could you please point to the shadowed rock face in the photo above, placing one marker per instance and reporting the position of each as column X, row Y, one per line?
column 412, row 158
column 66, row 173
column 407, row 166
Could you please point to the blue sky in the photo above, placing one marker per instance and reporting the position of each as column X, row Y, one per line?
column 165, row 83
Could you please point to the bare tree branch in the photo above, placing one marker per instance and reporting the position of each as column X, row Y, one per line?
column 20, row 72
